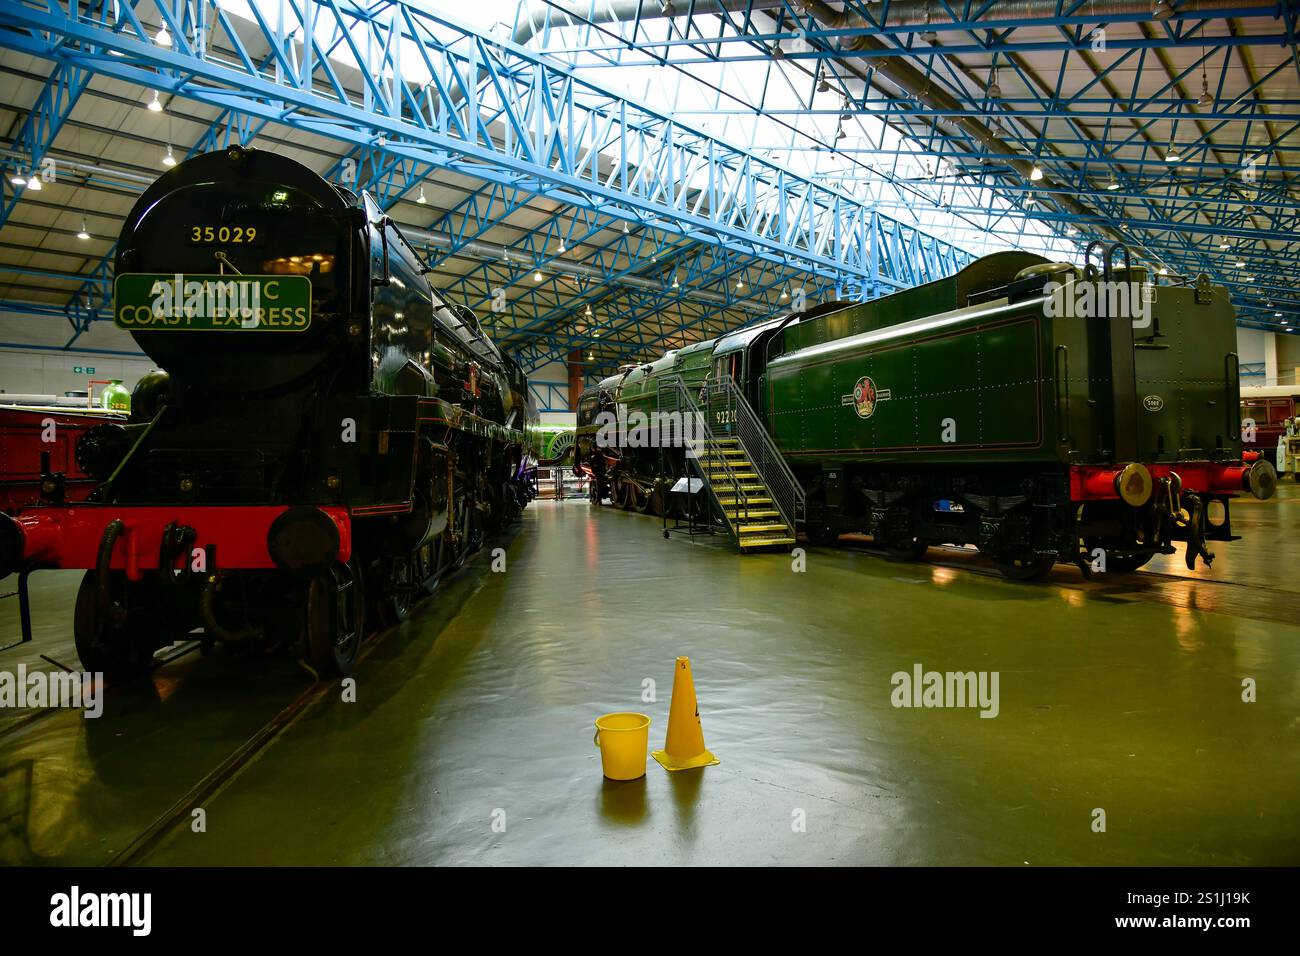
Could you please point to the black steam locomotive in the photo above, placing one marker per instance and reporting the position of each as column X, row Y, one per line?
column 329, row 436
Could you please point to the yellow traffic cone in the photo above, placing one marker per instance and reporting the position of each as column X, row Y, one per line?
column 684, row 745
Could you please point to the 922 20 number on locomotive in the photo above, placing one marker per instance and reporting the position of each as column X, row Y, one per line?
column 328, row 438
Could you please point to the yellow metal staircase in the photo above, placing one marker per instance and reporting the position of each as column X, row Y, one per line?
column 748, row 481
column 745, row 500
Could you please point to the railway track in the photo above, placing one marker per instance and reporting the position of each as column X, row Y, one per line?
column 213, row 782
column 228, row 769
column 186, row 647
column 1237, row 597
column 227, row 764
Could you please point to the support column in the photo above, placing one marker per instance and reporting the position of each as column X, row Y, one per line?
column 577, row 378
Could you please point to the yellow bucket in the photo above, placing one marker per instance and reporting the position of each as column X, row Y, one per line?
column 623, row 740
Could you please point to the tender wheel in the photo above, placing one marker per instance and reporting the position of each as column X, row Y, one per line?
column 908, row 549
column 1033, row 567
column 822, row 535
column 1126, row 563
column 100, row 629
column 335, row 619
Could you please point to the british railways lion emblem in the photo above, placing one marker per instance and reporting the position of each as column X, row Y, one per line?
column 865, row 397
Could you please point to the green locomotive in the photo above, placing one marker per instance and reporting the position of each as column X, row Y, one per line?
column 551, row 444
column 1035, row 410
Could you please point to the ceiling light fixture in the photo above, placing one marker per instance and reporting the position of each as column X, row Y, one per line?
column 162, row 37
column 421, row 198
column 34, row 184
column 169, row 159
column 83, row 234
column 17, row 178
column 1113, row 184
column 155, row 104
column 537, row 276
column 1172, row 155
column 1035, row 174
column 995, row 91
column 1161, row 10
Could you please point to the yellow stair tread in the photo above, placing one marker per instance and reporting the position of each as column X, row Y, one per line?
column 729, row 501
column 764, row 542
column 746, row 528
column 736, row 514
column 738, row 475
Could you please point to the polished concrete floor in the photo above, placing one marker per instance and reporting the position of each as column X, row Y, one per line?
column 470, row 739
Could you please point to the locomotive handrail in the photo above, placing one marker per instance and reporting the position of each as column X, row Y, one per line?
column 682, row 400
column 1062, row 379
column 787, row 494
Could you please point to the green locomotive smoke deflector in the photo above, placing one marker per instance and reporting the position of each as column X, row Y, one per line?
column 211, row 303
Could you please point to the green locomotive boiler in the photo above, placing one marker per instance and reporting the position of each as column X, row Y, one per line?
column 1035, row 410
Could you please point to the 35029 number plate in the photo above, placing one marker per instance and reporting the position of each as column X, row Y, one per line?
column 222, row 235
column 211, row 303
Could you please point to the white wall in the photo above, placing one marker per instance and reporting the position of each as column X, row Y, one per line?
column 1251, row 345
column 32, row 359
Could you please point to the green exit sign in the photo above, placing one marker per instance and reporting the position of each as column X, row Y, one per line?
column 83, row 370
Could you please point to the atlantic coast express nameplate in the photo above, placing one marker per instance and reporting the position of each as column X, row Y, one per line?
column 208, row 303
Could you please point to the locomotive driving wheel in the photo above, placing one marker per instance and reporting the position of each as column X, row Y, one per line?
column 1030, row 566
column 401, row 579
column 102, row 628
column 334, row 617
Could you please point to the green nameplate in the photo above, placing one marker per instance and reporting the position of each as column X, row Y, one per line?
column 208, row 303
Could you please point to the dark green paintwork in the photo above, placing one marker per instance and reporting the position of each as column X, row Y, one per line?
column 980, row 371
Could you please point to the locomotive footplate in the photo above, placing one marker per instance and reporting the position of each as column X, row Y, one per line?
column 239, row 537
